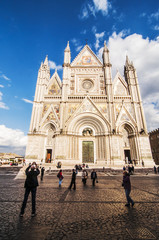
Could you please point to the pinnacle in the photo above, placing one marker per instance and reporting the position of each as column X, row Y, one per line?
column 46, row 60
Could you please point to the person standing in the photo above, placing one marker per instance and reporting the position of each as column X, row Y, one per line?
column 73, row 180
column 42, row 173
column 155, row 170
column 60, row 177
column 93, row 177
column 84, row 176
column 30, row 185
column 127, row 186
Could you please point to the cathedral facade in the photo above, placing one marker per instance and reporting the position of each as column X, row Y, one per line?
column 87, row 117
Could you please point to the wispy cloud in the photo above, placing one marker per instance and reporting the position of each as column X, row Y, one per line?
column 27, row 101
column 1, row 86
column 156, row 27
column 93, row 7
column 98, row 36
column 84, row 13
column 143, row 14
column 77, row 44
column 84, row 31
column 5, row 77
column 155, row 15
column 53, row 65
column 2, row 104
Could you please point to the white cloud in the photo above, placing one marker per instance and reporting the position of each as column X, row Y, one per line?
column 79, row 48
column 53, row 65
column 2, row 104
column 145, row 55
column 12, row 140
column 98, row 36
column 27, row 101
column 92, row 8
column 1, row 86
column 101, row 5
column 5, row 77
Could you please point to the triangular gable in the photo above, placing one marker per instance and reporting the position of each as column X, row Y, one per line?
column 86, row 58
column 50, row 115
column 120, row 86
column 124, row 115
column 88, row 106
column 54, row 86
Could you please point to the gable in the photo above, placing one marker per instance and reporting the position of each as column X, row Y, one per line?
column 119, row 86
column 50, row 113
column 87, row 106
column 124, row 116
column 54, row 87
column 86, row 58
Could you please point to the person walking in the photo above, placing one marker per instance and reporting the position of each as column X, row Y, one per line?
column 93, row 177
column 60, row 177
column 127, row 186
column 30, row 185
column 73, row 180
column 42, row 173
column 84, row 177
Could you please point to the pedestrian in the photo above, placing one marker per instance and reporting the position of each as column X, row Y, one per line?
column 158, row 169
column 127, row 186
column 42, row 173
column 30, row 185
column 155, row 170
column 143, row 163
column 60, row 177
column 84, row 177
column 73, row 180
column 93, row 177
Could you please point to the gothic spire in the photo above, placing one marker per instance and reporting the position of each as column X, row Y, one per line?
column 46, row 62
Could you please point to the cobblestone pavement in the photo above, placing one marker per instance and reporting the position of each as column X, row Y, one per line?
column 87, row 213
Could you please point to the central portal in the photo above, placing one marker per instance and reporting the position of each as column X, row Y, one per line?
column 88, row 152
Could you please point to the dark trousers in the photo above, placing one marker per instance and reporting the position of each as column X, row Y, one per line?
column 127, row 193
column 93, row 181
column 73, row 182
column 84, row 181
column 26, row 195
column 42, row 175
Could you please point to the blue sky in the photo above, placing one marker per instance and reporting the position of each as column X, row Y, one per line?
column 30, row 30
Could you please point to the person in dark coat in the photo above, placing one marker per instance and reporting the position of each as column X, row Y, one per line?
column 30, row 185
column 155, row 170
column 42, row 173
column 93, row 177
column 127, row 186
column 73, row 180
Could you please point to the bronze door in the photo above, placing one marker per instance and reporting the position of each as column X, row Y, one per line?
column 88, row 152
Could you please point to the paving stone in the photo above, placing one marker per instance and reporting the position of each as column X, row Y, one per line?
column 88, row 213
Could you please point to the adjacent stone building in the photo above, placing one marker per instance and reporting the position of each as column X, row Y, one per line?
column 87, row 117
column 154, row 142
